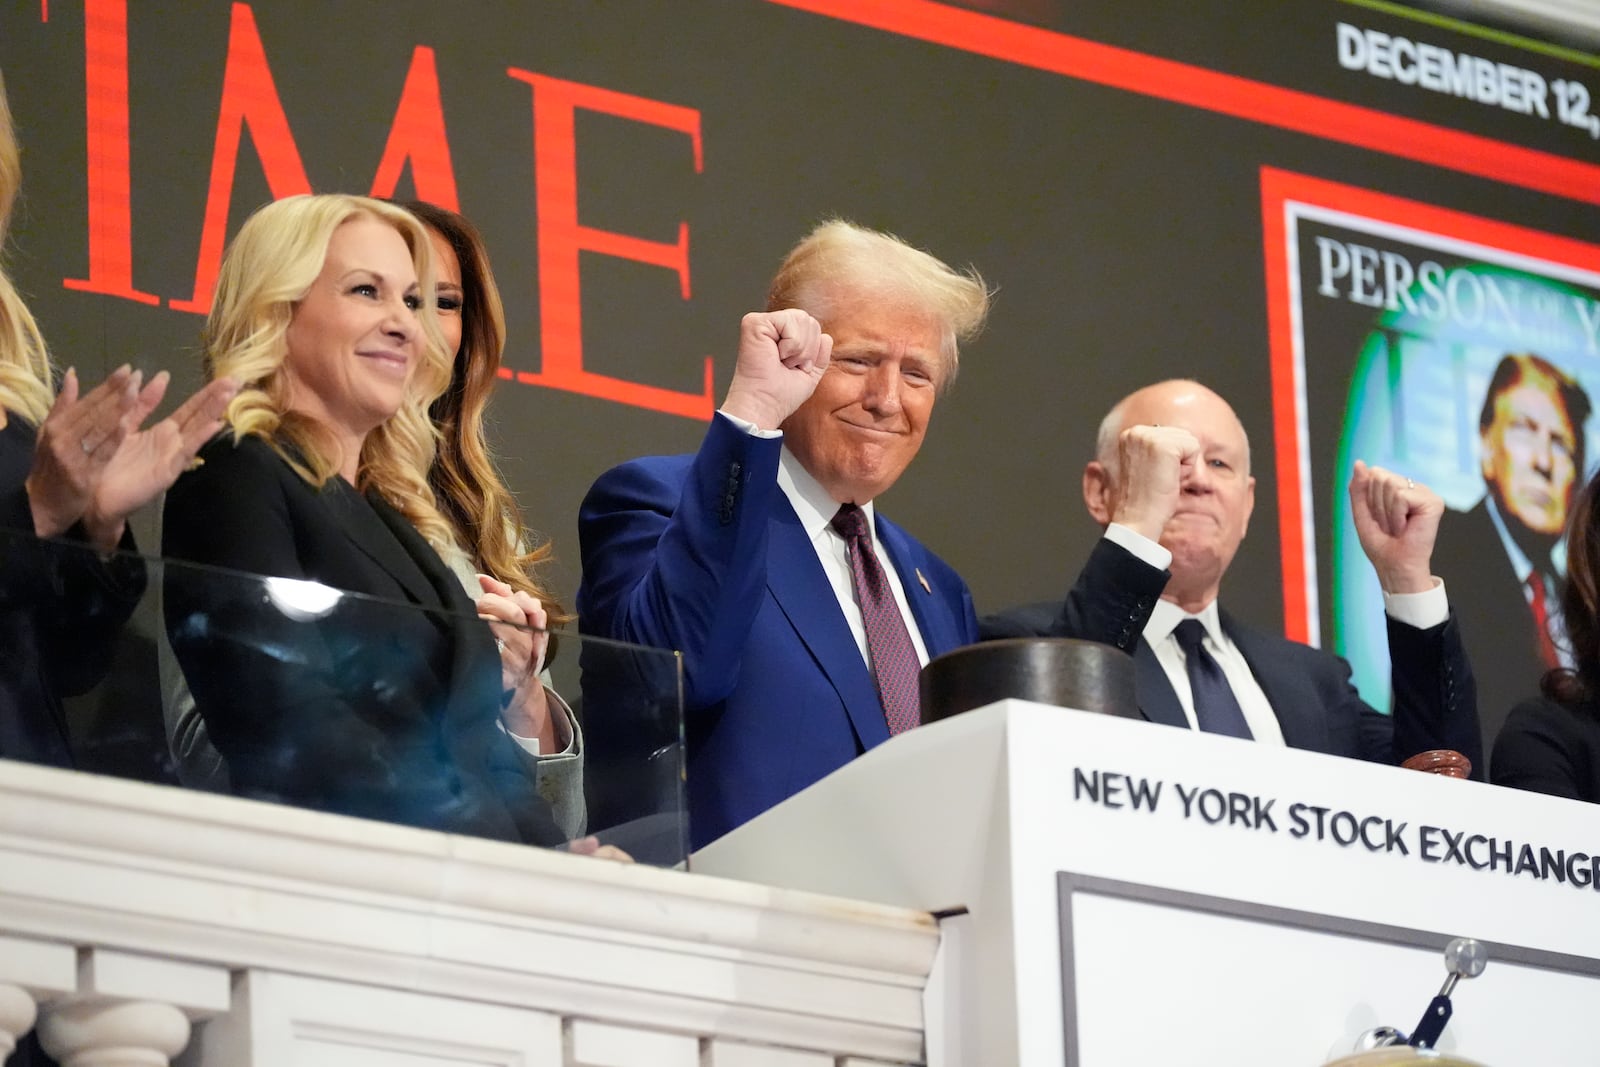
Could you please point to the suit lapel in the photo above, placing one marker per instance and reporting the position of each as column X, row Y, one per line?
column 1157, row 699
column 1294, row 701
column 444, row 589
column 474, row 673
column 803, row 593
column 929, row 610
column 370, row 530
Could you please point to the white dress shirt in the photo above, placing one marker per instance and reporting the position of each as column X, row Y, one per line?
column 816, row 508
column 1258, row 714
column 1422, row 610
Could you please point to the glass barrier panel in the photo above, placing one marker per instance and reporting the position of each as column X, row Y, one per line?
column 292, row 692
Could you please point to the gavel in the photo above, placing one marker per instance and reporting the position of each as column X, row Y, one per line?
column 1443, row 761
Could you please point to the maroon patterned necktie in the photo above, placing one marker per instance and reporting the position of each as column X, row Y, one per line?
column 895, row 665
column 1541, row 619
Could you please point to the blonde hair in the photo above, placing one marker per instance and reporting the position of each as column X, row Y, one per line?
column 841, row 257
column 25, row 375
column 271, row 264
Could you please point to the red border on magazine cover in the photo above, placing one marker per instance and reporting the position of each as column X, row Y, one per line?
column 1279, row 188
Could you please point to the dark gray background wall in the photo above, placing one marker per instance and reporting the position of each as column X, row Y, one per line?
column 1123, row 230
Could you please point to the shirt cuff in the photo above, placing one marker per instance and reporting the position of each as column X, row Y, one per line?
column 1424, row 610
column 749, row 427
column 563, row 723
column 1141, row 546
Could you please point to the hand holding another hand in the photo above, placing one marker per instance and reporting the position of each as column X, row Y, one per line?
column 519, row 624
column 782, row 357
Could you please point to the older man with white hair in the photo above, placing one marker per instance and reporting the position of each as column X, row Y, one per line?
column 1171, row 485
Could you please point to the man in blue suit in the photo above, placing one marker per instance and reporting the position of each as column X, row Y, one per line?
column 802, row 614
column 1171, row 485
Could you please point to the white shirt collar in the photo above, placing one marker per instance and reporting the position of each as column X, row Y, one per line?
column 1166, row 616
column 811, row 502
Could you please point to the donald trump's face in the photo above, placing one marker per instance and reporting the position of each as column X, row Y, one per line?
column 1529, row 455
column 865, row 423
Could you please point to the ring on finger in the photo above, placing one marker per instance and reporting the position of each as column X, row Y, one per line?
column 499, row 644
column 1410, row 484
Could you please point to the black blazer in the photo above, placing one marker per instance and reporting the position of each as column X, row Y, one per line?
column 60, row 609
column 1550, row 748
column 1309, row 690
column 380, row 707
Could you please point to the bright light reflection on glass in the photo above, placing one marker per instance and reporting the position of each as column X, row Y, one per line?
column 302, row 600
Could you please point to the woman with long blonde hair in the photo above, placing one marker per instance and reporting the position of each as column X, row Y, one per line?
column 481, row 540
column 388, row 704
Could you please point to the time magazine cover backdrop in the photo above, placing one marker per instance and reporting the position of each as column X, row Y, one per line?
column 1409, row 310
column 640, row 167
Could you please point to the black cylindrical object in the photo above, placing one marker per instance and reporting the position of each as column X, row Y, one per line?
column 1061, row 671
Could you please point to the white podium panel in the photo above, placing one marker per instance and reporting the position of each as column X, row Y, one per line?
column 1225, row 902
column 1268, row 990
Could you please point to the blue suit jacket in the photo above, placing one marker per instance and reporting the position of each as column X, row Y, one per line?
column 705, row 555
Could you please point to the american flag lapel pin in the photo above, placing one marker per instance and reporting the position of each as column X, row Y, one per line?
column 926, row 588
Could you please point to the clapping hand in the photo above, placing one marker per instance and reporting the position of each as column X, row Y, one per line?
column 148, row 461
column 75, row 442
column 93, row 462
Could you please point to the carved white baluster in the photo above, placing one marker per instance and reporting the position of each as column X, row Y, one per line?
column 30, row 971
column 130, row 1010
column 16, row 1017
column 113, row 1033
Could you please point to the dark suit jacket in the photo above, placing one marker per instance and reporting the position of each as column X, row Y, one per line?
column 1550, row 748
column 704, row 554
column 1310, row 691
column 60, row 610
column 385, row 707
column 1500, row 635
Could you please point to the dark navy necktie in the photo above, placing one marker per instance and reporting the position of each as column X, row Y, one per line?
column 895, row 665
column 1216, row 709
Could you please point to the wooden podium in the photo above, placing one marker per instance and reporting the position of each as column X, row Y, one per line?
column 1119, row 893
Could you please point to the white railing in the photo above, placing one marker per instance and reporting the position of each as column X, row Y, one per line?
column 141, row 924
